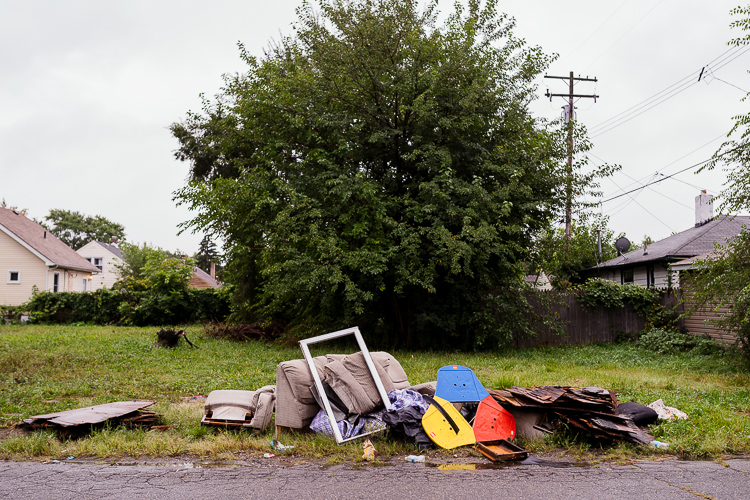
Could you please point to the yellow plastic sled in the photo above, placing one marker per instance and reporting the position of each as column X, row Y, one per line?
column 445, row 425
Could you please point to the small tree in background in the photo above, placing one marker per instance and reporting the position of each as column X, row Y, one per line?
column 76, row 229
column 563, row 260
column 207, row 253
column 145, row 267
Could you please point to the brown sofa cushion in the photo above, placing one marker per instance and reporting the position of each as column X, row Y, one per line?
column 352, row 382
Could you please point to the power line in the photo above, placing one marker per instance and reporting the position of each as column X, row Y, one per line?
column 664, row 95
column 690, row 77
column 657, row 181
column 633, row 199
column 635, row 181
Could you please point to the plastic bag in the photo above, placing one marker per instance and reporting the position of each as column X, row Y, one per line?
column 369, row 451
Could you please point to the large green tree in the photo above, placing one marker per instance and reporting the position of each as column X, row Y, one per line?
column 76, row 229
column 723, row 279
column 378, row 170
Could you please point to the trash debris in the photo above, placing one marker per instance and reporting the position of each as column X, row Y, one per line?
column 642, row 415
column 415, row 458
column 405, row 416
column 369, row 451
column 445, row 426
column 352, row 380
column 667, row 412
column 501, row 450
column 234, row 408
column 459, row 384
column 268, row 455
column 82, row 419
column 659, row 444
column 170, row 338
column 590, row 409
column 559, row 397
column 280, row 447
column 493, row 422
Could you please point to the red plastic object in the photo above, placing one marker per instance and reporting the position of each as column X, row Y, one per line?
column 493, row 422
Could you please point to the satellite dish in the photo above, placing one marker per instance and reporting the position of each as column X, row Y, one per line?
column 622, row 245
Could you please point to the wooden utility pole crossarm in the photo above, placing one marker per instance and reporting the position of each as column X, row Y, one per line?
column 570, row 96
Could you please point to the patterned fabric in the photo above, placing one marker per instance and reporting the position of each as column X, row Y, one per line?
column 402, row 398
column 667, row 412
column 322, row 425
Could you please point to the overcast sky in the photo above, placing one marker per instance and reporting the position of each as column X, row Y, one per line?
column 88, row 89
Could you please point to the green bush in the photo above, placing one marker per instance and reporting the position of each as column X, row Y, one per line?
column 134, row 307
column 10, row 313
column 598, row 291
column 673, row 342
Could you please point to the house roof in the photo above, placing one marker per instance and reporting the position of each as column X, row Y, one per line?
column 690, row 243
column 41, row 242
column 201, row 274
column 114, row 249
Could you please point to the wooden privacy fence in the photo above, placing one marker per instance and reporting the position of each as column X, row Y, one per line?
column 586, row 325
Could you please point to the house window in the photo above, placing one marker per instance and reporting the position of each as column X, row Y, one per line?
column 14, row 276
column 650, row 282
column 56, row 282
column 85, row 284
column 626, row 276
column 97, row 261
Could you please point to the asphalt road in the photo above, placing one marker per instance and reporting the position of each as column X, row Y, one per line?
column 665, row 480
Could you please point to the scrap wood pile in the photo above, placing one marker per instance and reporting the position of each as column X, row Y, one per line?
column 242, row 332
column 590, row 409
column 80, row 420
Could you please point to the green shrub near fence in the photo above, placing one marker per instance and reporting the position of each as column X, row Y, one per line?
column 144, row 308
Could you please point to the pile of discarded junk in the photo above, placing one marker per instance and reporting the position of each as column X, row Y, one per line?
column 351, row 396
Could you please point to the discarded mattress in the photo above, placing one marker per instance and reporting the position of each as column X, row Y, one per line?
column 236, row 408
column 459, row 384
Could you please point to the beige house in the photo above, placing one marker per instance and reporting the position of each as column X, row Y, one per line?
column 201, row 279
column 30, row 256
column 105, row 257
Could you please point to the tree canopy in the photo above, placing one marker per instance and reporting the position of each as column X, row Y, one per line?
column 76, row 229
column 723, row 279
column 151, row 268
column 375, row 169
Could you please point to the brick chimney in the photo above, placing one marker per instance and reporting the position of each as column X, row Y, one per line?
column 704, row 208
column 213, row 270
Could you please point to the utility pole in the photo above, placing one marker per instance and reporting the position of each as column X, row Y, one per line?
column 569, row 188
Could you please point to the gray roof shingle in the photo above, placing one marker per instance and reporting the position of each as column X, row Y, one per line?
column 689, row 243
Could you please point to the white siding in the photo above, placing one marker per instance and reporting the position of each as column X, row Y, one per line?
column 109, row 275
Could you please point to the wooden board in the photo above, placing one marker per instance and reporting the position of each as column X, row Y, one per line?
column 501, row 450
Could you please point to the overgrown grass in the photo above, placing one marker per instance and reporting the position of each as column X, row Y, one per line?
column 46, row 369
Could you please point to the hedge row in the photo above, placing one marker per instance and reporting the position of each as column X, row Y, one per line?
column 106, row 306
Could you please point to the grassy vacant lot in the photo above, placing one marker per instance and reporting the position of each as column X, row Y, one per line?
column 46, row 369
